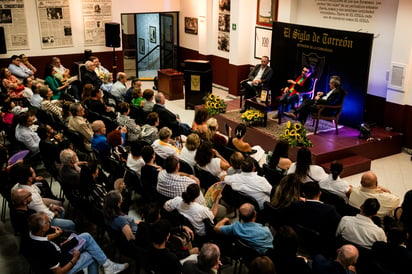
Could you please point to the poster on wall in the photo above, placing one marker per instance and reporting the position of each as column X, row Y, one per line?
column 329, row 52
column 13, row 20
column 191, row 25
column 224, row 25
column 54, row 23
column 263, row 42
column 95, row 14
column 266, row 12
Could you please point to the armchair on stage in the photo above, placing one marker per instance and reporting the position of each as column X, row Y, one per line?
column 329, row 113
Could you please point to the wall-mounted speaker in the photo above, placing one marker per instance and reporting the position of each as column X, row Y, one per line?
column 112, row 34
column 3, row 48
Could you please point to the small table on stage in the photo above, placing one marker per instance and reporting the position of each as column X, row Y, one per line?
column 170, row 83
column 264, row 107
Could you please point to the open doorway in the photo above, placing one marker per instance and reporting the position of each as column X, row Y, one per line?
column 150, row 43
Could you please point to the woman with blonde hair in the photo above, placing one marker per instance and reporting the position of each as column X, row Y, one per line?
column 287, row 192
column 213, row 133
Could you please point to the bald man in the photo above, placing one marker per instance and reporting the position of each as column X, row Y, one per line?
column 369, row 189
column 255, row 235
column 119, row 88
column 344, row 263
column 19, row 212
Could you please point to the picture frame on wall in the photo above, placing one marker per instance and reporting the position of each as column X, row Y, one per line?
column 267, row 12
column 263, row 42
column 141, row 46
column 152, row 34
column 191, row 25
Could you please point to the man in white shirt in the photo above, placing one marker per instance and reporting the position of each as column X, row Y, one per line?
column 369, row 189
column 360, row 229
column 119, row 88
column 250, row 183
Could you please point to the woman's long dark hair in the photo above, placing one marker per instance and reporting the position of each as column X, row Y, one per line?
column 336, row 168
column 111, row 207
column 191, row 193
column 281, row 151
column 48, row 71
column 204, row 154
column 240, row 131
column 303, row 162
column 201, row 116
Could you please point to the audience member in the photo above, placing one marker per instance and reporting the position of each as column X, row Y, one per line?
column 49, row 106
column 51, row 144
column 119, row 87
column 304, row 169
column 238, row 143
column 99, row 69
column 137, row 98
column 133, row 130
column 116, row 140
column 287, row 192
column 28, row 84
column 57, row 87
column 162, row 146
column 24, row 132
column 149, row 173
column 344, row 263
column 262, row 265
column 93, row 185
column 136, row 84
column 250, row 183
column 99, row 140
column 168, row 119
column 210, row 160
column 95, row 104
column 19, row 211
column 107, row 82
column 360, row 229
column 172, row 183
column 120, row 186
column 90, row 76
column 24, row 62
column 148, row 96
column 213, row 133
column 45, row 255
column 290, row 93
column 78, row 123
column 62, row 73
column 192, row 210
column 199, row 122
column 254, row 234
column 134, row 159
column 235, row 160
column 208, row 261
column 18, row 70
column 258, row 78
column 188, row 152
column 14, row 86
column 334, row 183
column 279, row 160
column 70, row 172
column 404, row 215
column 369, row 189
column 36, row 98
column 149, row 132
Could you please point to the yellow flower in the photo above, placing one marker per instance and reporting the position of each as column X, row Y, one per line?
column 286, row 132
column 211, row 96
column 256, row 115
column 288, row 124
column 297, row 126
column 207, row 104
column 250, row 117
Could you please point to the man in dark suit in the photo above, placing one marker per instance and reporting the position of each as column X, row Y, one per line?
column 169, row 119
column 315, row 215
column 332, row 98
column 90, row 76
column 258, row 78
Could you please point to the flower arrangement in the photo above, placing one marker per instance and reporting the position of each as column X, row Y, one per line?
column 295, row 135
column 214, row 104
column 252, row 115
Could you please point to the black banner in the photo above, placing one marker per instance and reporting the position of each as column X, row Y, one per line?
column 330, row 52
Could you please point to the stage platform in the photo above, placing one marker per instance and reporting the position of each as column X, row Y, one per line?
column 355, row 153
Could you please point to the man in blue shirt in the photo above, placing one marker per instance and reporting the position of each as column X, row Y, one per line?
column 253, row 234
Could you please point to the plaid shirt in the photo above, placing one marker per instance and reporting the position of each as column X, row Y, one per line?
column 172, row 185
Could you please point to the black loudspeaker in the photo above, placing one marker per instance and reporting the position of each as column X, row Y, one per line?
column 112, row 34
column 3, row 48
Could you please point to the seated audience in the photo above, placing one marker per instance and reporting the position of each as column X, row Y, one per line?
column 133, row 130
column 208, row 261
column 52, row 107
column 213, row 134
column 58, row 259
column 369, row 189
column 254, row 234
column 119, row 87
column 57, row 87
column 137, row 98
column 188, row 152
column 107, row 82
column 36, row 98
column 116, row 140
column 92, row 185
column 169, row 119
column 134, row 159
column 192, row 210
column 136, row 85
column 19, row 211
column 172, row 183
column 149, row 173
column 169, row 263
column 148, row 96
column 344, row 263
column 95, row 104
column 287, row 192
column 334, row 183
column 24, row 62
column 99, row 69
column 199, row 123
column 279, row 160
column 250, row 183
column 360, row 229
column 62, row 73
column 120, row 186
column 24, row 132
column 235, row 160
column 51, row 144
column 149, row 132
column 18, row 70
column 304, row 169
column 26, row 178
column 162, row 146
column 70, row 172
column 262, row 265
column 90, row 76
column 210, row 160
column 13, row 86
column 78, row 123
column 28, row 85
column 238, row 143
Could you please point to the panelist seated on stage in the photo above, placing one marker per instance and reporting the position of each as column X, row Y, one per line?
column 290, row 93
column 258, row 78
column 332, row 98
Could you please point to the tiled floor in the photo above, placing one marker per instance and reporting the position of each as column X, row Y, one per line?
column 394, row 172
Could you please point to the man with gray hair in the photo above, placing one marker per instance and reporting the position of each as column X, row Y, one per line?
column 345, row 261
column 208, row 261
column 119, row 88
column 69, row 171
column 78, row 123
column 90, row 76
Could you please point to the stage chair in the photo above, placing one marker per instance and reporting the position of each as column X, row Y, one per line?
column 309, row 94
column 322, row 116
